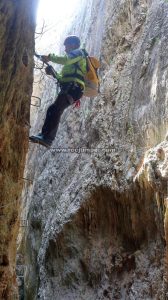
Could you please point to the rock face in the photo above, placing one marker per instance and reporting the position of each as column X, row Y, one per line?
column 17, row 25
column 97, row 211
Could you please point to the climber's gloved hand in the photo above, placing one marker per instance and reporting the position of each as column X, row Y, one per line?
column 45, row 58
column 49, row 70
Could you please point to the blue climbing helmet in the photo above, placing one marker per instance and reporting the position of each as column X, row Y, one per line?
column 72, row 40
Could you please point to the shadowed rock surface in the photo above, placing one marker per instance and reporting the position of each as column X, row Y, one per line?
column 17, row 25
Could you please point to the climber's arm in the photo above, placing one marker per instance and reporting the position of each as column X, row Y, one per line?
column 63, row 60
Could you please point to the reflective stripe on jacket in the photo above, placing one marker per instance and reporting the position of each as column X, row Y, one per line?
column 74, row 67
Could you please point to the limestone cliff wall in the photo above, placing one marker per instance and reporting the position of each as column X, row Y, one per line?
column 98, row 218
column 17, row 25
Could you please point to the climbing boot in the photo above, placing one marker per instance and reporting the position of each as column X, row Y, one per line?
column 40, row 139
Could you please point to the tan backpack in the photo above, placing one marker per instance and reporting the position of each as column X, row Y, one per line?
column 92, row 81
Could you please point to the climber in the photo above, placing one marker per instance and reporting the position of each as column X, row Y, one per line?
column 71, row 81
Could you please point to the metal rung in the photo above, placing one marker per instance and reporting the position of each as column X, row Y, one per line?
column 27, row 179
column 38, row 99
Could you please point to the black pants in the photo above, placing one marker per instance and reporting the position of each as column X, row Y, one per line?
column 70, row 92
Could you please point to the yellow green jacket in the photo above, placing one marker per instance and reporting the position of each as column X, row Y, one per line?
column 74, row 66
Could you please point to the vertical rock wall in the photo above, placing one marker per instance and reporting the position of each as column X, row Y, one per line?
column 17, row 26
column 95, row 230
